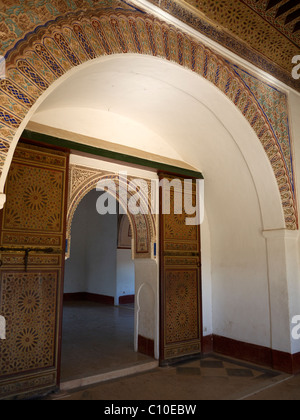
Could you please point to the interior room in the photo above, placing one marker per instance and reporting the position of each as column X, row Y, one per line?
column 113, row 91
column 99, row 295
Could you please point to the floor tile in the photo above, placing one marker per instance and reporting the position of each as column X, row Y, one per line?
column 188, row 371
column 97, row 338
column 211, row 364
column 245, row 373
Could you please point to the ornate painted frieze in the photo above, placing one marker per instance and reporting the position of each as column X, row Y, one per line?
column 250, row 29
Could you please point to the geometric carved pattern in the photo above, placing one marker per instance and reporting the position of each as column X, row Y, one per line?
column 28, row 203
column 175, row 227
column 181, row 300
column 180, row 282
column 30, row 311
column 284, row 15
column 35, row 198
column 40, row 59
column 265, row 36
column 247, row 24
column 30, row 299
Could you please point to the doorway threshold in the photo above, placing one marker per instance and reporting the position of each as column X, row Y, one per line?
column 108, row 376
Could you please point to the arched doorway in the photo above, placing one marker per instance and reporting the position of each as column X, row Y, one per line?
column 90, row 175
column 198, row 125
column 98, row 329
column 211, row 122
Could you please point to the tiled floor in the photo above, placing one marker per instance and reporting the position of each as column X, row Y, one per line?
column 106, row 343
column 219, row 366
column 96, row 339
column 210, row 378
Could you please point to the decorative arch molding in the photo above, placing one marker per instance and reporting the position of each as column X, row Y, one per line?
column 82, row 180
column 55, row 48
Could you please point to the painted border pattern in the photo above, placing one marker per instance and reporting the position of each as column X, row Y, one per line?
column 192, row 16
column 52, row 50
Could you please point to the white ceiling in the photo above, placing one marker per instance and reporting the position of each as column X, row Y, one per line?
column 148, row 104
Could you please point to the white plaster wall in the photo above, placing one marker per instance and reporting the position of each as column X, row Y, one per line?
column 105, row 125
column 147, row 301
column 75, row 266
column 294, row 112
column 206, row 278
column 125, row 273
column 101, row 252
column 240, row 301
column 294, row 247
column 93, row 261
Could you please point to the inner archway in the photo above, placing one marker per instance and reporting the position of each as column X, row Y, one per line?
column 98, row 328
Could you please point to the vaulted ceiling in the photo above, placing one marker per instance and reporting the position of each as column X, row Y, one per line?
column 264, row 32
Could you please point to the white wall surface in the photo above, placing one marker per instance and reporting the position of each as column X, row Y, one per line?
column 293, row 249
column 206, row 278
column 75, row 279
column 92, row 266
column 147, row 301
column 125, row 273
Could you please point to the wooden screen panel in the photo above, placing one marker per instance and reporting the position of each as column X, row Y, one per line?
column 29, row 302
column 180, row 289
column 30, row 297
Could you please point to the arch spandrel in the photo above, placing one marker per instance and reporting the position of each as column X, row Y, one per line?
column 53, row 49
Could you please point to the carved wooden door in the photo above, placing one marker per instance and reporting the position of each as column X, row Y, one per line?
column 32, row 255
column 180, row 264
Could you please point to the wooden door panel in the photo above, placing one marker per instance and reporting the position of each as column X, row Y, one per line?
column 32, row 248
column 180, row 282
column 29, row 302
